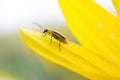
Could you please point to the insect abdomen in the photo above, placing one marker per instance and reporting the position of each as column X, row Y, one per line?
column 59, row 37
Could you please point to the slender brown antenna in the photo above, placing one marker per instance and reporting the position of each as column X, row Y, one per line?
column 38, row 25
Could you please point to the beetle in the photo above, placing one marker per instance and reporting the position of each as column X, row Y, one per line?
column 54, row 34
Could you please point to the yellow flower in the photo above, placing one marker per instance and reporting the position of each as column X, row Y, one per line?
column 98, row 58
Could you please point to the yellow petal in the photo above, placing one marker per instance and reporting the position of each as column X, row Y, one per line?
column 94, row 27
column 117, row 5
column 72, row 56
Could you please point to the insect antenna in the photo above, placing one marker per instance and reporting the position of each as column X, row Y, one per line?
column 38, row 25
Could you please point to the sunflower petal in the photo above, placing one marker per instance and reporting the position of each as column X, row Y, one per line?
column 71, row 56
column 117, row 5
column 94, row 27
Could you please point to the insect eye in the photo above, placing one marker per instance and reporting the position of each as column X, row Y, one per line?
column 45, row 31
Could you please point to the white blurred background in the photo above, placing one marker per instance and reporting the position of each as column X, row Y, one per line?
column 16, row 13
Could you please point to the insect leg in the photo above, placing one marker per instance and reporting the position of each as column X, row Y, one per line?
column 59, row 46
column 44, row 34
column 51, row 39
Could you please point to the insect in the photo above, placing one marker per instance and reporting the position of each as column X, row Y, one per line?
column 54, row 34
